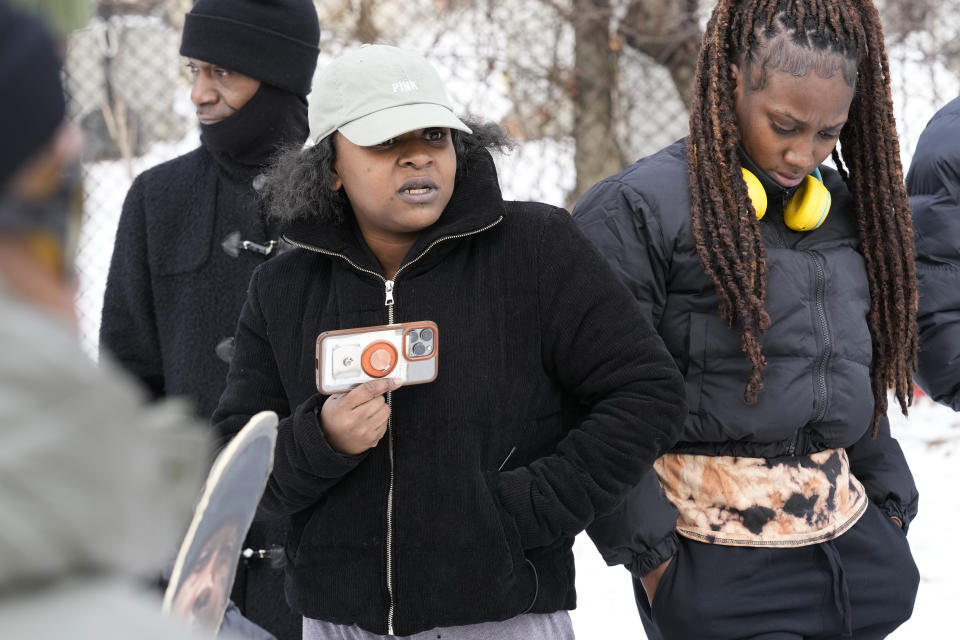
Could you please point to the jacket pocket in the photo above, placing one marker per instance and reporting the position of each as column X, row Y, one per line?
column 505, row 525
column 188, row 253
column 183, row 243
column 665, row 585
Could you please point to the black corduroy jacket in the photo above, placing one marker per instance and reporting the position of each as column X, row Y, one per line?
column 553, row 397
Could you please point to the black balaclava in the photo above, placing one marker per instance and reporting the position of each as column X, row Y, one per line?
column 271, row 119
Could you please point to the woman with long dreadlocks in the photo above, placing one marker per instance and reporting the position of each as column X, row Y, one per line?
column 786, row 292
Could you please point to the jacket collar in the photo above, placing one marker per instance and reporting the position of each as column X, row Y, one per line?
column 476, row 204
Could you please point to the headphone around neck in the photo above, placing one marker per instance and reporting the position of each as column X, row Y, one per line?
column 808, row 206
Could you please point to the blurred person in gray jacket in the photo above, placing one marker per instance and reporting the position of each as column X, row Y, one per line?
column 95, row 489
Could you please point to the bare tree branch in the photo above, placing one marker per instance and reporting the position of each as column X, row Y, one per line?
column 597, row 153
column 667, row 31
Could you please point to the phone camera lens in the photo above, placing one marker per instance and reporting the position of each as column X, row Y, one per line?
column 418, row 349
column 426, row 335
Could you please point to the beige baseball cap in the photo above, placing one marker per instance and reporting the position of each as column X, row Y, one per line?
column 378, row 92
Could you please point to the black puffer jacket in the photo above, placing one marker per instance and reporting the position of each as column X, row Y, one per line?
column 933, row 183
column 174, row 294
column 816, row 393
column 535, row 334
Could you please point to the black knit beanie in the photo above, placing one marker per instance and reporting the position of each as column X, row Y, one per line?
column 33, row 103
column 273, row 41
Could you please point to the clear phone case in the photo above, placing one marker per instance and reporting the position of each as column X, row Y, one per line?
column 349, row 357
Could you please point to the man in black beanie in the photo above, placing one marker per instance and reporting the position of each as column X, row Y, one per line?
column 192, row 231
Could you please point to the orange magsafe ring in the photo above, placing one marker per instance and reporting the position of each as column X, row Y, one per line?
column 378, row 359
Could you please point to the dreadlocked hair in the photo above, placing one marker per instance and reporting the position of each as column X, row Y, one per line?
column 829, row 36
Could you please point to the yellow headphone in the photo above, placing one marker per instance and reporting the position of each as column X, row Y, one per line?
column 807, row 208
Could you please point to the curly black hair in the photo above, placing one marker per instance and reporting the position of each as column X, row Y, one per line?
column 299, row 181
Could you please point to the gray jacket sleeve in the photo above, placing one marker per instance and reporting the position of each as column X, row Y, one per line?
column 91, row 479
column 934, row 187
column 640, row 532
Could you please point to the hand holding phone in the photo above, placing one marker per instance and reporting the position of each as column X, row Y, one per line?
column 348, row 357
column 356, row 420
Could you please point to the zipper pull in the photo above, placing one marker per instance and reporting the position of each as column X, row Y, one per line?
column 388, row 285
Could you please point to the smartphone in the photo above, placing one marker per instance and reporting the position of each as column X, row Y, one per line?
column 349, row 357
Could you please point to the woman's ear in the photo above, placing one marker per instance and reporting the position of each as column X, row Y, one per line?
column 735, row 74
column 334, row 181
column 739, row 83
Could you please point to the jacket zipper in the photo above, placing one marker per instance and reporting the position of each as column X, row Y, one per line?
column 820, row 372
column 389, row 300
column 781, row 242
column 827, row 341
column 391, row 607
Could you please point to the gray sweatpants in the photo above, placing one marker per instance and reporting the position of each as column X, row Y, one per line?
column 530, row 626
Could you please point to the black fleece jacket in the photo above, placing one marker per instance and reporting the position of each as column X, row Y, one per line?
column 174, row 294
column 933, row 183
column 553, row 397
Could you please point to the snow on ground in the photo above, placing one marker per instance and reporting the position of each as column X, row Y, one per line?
column 930, row 439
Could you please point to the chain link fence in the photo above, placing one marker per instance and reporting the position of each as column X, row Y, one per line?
column 129, row 96
column 585, row 87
